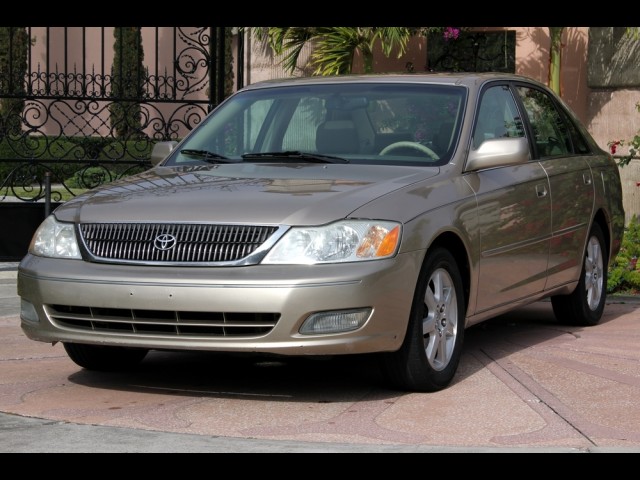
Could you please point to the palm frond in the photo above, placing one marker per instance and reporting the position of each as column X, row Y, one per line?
column 287, row 42
column 335, row 50
column 335, row 47
column 393, row 38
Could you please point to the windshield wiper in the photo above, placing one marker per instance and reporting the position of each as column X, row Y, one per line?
column 208, row 156
column 294, row 155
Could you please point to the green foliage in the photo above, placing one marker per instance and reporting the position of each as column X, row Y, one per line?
column 449, row 51
column 624, row 276
column 335, row 47
column 90, row 177
column 61, row 150
column 633, row 32
column 127, row 82
column 335, row 51
column 14, row 43
column 555, row 58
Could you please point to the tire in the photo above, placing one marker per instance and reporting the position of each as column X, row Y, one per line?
column 585, row 305
column 428, row 358
column 103, row 358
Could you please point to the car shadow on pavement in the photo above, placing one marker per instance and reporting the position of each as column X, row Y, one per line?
column 321, row 379
column 257, row 377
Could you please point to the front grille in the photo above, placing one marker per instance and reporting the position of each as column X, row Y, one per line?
column 173, row 243
column 162, row 322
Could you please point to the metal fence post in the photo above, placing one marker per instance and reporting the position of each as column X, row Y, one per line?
column 47, row 194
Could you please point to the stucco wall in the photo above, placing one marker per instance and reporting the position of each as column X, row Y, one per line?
column 532, row 60
column 614, row 77
column 614, row 56
column 612, row 102
column 614, row 116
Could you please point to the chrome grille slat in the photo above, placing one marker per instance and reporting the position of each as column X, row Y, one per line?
column 195, row 243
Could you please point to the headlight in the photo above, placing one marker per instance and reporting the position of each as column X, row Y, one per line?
column 54, row 239
column 344, row 241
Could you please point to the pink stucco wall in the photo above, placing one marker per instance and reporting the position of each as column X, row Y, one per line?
column 532, row 60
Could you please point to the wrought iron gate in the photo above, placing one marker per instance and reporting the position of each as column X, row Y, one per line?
column 78, row 115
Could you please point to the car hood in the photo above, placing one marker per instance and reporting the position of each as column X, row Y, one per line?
column 310, row 194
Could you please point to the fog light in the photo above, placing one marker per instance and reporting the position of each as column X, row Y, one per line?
column 335, row 322
column 28, row 312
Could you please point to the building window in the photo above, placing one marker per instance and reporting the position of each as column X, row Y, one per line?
column 472, row 52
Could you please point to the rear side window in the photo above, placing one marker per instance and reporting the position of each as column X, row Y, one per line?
column 551, row 134
column 580, row 145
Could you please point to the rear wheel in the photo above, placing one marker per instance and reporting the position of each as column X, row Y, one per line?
column 429, row 356
column 585, row 305
column 104, row 358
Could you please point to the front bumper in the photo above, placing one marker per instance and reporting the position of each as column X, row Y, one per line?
column 289, row 293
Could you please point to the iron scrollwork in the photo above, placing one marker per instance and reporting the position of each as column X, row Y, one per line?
column 66, row 134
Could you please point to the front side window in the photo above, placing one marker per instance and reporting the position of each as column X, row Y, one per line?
column 497, row 116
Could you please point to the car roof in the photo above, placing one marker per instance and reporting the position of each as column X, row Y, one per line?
column 468, row 79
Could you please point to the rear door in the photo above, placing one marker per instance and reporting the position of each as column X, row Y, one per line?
column 562, row 152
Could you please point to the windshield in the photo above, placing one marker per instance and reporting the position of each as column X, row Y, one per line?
column 392, row 123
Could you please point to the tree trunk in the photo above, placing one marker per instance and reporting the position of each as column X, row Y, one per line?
column 555, row 58
column 14, row 44
column 127, row 82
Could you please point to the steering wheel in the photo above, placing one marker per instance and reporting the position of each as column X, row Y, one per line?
column 406, row 144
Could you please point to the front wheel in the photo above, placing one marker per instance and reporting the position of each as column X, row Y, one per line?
column 104, row 358
column 585, row 305
column 429, row 356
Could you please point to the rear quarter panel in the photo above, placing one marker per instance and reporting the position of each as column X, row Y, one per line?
column 608, row 198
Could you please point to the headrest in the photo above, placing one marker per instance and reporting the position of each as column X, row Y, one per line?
column 337, row 136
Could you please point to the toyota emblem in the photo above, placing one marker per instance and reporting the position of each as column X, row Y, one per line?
column 164, row 242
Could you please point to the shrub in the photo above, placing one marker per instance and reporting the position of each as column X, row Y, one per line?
column 90, row 177
column 60, row 152
column 624, row 276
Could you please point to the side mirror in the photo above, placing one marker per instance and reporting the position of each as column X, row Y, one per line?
column 161, row 150
column 498, row 152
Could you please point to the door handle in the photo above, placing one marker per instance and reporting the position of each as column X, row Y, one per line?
column 586, row 178
column 541, row 191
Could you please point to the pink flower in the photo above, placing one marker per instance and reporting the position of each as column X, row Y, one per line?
column 451, row 33
column 613, row 146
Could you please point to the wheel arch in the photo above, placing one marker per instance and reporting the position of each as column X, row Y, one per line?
column 601, row 219
column 454, row 244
